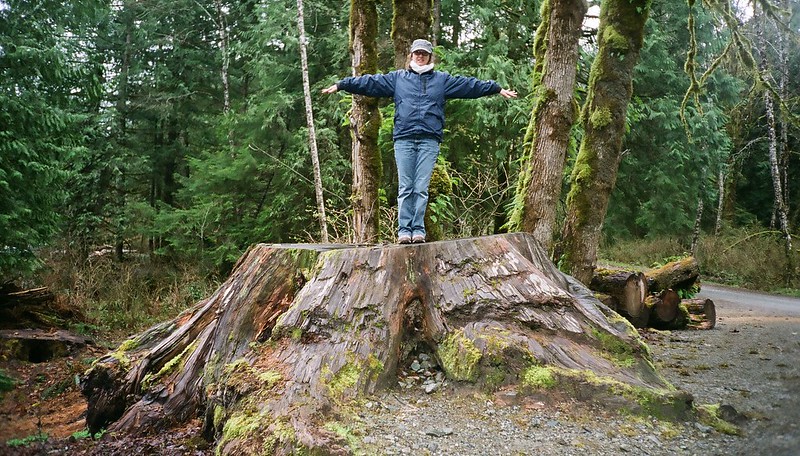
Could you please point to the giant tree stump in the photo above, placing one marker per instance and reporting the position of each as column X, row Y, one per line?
column 272, row 360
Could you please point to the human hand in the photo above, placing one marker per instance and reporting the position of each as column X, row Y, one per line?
column 508, row 93
column 332, row 89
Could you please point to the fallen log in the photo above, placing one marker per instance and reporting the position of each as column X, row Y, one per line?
column 667, row 313
column 702, row 313
column 36, row 345
column 678, row 275
column 36, row 308
column 279, row 353
column 628, row 290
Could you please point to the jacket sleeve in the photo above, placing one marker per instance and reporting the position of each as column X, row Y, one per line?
column 464, row 87
column 372, row 85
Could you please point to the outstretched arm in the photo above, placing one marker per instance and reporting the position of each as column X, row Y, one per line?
column 373, row 85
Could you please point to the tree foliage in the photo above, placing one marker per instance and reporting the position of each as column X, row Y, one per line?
column 176, row 127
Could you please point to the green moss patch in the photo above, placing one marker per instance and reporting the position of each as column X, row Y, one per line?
column 615, row 40
column 344, row 379
column 6, row 382
column 459, row 357
column 538, row 377
column 660, row 403
column 171, row 366
column 601, row 117
column 709, row 415
column 615, row 349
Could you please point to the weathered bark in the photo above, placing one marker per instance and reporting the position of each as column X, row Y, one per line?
column 620, row 38
column 539, row 187
column 411, row 20
column 628, row 290
column 312, row 132
column 702, row 313
column 683, row 274
column 298, row 331
column 365, row 122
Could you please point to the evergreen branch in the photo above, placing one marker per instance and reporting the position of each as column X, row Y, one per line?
column 294, row 171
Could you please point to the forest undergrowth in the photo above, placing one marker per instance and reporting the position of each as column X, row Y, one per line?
column 748, row 258
column 123, row 298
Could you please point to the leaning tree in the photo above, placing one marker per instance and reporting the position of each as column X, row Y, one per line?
column 276, row 359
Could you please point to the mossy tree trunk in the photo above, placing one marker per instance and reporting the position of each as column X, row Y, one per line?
column 274, row 359
column 620, row 38
column 553, row 115
column 412, row 19
column 365, row 122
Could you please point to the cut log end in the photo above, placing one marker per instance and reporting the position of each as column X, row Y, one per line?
column 702, row 313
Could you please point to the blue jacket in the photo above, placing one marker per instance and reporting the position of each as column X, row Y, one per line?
column 418, row 98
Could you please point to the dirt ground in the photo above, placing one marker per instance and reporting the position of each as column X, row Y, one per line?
column 750, row 361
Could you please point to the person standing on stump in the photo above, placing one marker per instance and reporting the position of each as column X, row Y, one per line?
column 419, row 94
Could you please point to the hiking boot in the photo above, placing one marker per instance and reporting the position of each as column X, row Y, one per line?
column 404, row 239
column 418, row 239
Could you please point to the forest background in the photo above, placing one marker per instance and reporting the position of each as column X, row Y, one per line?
column 144, row 145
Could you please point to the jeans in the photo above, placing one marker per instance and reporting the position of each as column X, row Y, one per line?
column 415, row 160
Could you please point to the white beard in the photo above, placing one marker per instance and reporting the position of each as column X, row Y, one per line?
column 421, row 68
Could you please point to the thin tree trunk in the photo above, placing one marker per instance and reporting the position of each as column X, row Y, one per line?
column 783, row 91
column 121, row 134
column 552, row 120
column 437, row 22
column 456, row 36
column 365, row 122
column 620, row 38
column 411, row 20
column 222, row 27
column 720, row 201
column 780, row 210
column 312, row 134
column 697, row 219
column 223, row 45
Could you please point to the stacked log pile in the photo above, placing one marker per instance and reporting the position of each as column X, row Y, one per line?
column 653, row 298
